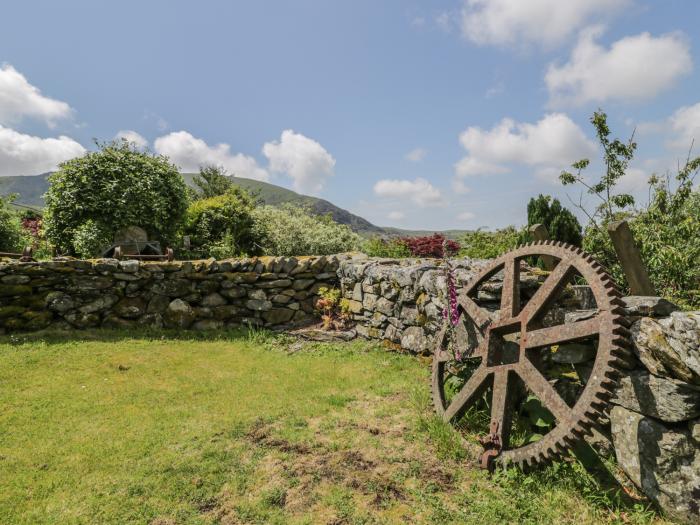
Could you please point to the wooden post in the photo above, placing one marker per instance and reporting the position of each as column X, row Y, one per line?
column 539, row 233
column 630, row 258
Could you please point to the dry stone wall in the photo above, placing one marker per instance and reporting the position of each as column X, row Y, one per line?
column 69, row 293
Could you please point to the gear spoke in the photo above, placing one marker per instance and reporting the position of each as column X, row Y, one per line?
column 510, row 294
column 562, row 333
column 501, row 406
column 545, row 392
column 473, row 386
column 554, row 282
column 480, row 317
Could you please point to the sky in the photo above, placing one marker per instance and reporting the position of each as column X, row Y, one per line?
column 416, row 114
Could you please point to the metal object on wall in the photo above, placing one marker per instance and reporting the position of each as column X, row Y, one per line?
column 169, row 255
column 509, row 351
column 25, row 256
column 630, row 258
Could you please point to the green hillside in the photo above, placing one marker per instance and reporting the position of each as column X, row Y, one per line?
column 31, row 188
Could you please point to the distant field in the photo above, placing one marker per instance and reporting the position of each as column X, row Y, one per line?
column 164, row 429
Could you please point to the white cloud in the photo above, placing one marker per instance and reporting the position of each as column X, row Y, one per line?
column 133, row 137
column 22, row 154
column 416, row 155
column 634, row 68
column 301, row 158
column 544, row 22
column 466, row 216
column 396, row 215
column 459, row 187
column 418, row 191
column 19, row 99
column 189, row 153
column 418, row 21
column 685, row 124
column 555, row 141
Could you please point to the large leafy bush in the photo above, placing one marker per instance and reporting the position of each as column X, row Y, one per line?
column 292, row 230
column 392, row 248
column 114, row 187
column 11, row 238
column 481, row 244
column 221, row 226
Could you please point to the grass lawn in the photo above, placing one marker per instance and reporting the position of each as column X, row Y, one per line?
column 159, row 428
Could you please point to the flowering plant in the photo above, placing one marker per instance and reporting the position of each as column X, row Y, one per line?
column 451, row 313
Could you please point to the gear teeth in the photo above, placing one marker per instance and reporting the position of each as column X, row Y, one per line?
column 604, row 396
column 608, row 384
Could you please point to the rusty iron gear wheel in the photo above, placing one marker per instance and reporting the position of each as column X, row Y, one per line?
column 607, row 324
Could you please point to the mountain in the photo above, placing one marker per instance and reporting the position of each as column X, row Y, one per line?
column 31, row 188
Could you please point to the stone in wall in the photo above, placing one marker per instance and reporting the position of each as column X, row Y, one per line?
column 670, row 347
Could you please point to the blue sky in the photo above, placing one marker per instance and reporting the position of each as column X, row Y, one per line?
column 433, row 115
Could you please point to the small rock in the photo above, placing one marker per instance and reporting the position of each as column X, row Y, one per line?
column 664, row 351
column 278, row 316
column 695, row 430
column 208, row 324
column 302, row 284
column 179, row 314
column 276, row 283
column 414, row 339
column 257, row 294
column 158, row 304
column 234, row 293
column 640, row 305
column 579, row 315
column 15, row 279
column 59, row 302
column 354, row 306
column 258, row 305
column 385, row 306
column 369, row 301
column 213, row 299
column 357, row 292
column 574, row 353
column 102, row 303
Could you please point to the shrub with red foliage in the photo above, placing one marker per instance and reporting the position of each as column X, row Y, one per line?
column 32, row 225
column 431, row 246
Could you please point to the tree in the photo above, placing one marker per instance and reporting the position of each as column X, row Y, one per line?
column 561, row 224
column 212, row 181
column 221, row 226
column 96, row 195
